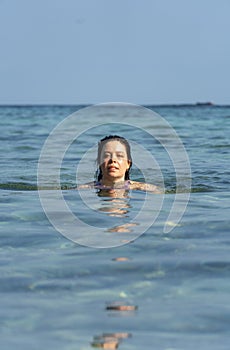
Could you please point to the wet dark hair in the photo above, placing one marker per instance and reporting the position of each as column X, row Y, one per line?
column 101, row 144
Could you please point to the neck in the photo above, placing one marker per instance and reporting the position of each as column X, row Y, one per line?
column 113, row 183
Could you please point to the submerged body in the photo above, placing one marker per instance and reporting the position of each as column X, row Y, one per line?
column 125, row 186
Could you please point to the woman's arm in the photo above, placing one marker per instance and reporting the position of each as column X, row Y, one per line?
column 142, row 186
column 85, row 186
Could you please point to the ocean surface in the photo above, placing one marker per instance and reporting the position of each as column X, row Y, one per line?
column 160, row 289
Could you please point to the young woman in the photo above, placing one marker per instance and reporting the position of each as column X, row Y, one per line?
column 114, row 163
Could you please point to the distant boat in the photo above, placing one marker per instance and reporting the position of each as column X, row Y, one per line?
column 204, row 104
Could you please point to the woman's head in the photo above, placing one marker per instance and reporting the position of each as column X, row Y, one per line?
column 114, row 158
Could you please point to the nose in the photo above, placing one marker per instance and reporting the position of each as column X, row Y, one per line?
column 113, row 158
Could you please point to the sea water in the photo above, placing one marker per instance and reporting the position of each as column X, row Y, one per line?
column 57, row 294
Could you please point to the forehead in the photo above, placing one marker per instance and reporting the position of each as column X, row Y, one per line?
column 114, row 146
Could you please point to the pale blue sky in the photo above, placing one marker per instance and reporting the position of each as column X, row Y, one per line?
column 92, row 51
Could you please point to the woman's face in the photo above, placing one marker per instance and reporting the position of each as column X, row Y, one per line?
column 114, row 162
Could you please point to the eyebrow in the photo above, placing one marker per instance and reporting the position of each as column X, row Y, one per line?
column 114, row 152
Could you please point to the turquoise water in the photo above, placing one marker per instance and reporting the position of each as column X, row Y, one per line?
column 56, row 294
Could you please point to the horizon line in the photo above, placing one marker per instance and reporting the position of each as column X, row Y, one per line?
column 183, row 104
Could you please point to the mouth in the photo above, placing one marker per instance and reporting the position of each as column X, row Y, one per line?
column 112, row 168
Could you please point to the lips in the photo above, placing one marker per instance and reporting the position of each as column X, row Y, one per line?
column 112, row 168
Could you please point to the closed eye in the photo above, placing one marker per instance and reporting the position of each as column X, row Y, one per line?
column 107, row 155
column 120, row 155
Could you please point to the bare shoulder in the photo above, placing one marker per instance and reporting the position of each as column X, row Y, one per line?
column 142, row 186
column 85, row 186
